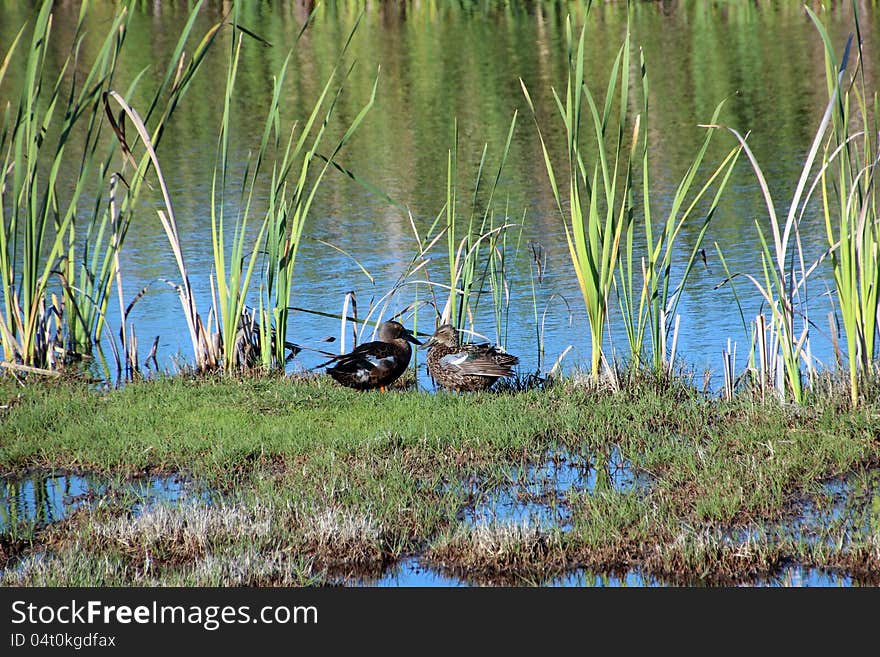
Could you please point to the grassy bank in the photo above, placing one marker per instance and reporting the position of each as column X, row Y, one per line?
column 315, row 483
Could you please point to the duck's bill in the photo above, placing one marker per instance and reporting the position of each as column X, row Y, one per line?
column 409, row 337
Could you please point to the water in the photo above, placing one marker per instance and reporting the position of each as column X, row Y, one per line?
column 537, row 493
column 42, row 498
column 411, row 573
column 850, row 505
column 447, row 61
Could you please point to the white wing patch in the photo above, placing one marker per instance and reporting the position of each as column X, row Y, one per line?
column 454, row 360
column 388, row 362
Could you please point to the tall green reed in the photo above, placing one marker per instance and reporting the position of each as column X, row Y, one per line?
column 600, row 213
column 249, row 337
column 480, row 248
column 290, row 206
column 48, row 233
column 478, row 257
column 230, row 344
column 647, row 300
column 784, row 344
column 99, row 270
column 178, row 76
column 598, row 204
column 851, row 223
column 36, row 217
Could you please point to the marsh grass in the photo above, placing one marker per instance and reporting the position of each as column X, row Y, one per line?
column 471, row 270
column 783, row 342
column 238, row 337
column 289, row 205
column 482, row 244
column 187, row 545
column 651, row 311
column 310, row 486
column 600, row 213
column 40, row 330
column 32, row 324
column 500, row 553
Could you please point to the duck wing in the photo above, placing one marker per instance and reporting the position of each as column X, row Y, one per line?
column 369, row 363
column 479, row 360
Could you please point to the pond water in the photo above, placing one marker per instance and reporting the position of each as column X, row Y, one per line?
column 447, row 62
column 535, row 495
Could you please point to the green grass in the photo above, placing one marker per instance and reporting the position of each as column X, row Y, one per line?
column 328, row 484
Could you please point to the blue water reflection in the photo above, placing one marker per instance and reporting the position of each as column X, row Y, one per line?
column 410, row 572
column 42, row 498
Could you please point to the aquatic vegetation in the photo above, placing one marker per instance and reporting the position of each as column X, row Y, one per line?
column 251, row 337
column 596, row 206
column 852, row 225
column 464, row 255
column 61, row 250
column 40, row 239
column 783, row 344
column 654, row 315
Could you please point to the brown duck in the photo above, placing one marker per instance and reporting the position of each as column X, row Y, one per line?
column 375, row 364
column 465, row 367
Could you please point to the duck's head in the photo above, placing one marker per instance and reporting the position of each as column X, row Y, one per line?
column 446, row 336
column 391, row 331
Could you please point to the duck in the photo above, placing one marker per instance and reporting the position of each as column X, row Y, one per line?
column 465, row 367
column 375, row 364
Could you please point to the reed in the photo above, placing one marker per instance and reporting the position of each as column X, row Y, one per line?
column 503, row 256
column 479, row 250
column 291, row 202
column 48, row 233
column 98, row 274
column 849, row 205
column 237, row 336
column 37, row 219
column 649, row 307
column 475, row 259
column 596, row 204
column 179, row 77
column 233, row 278
column 783, row 284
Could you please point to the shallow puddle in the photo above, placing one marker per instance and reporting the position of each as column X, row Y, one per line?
column 851, row 504
column 537, row 493
column 793, row 576
column 42, row 498
column 410, row 572
column 841, row 507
